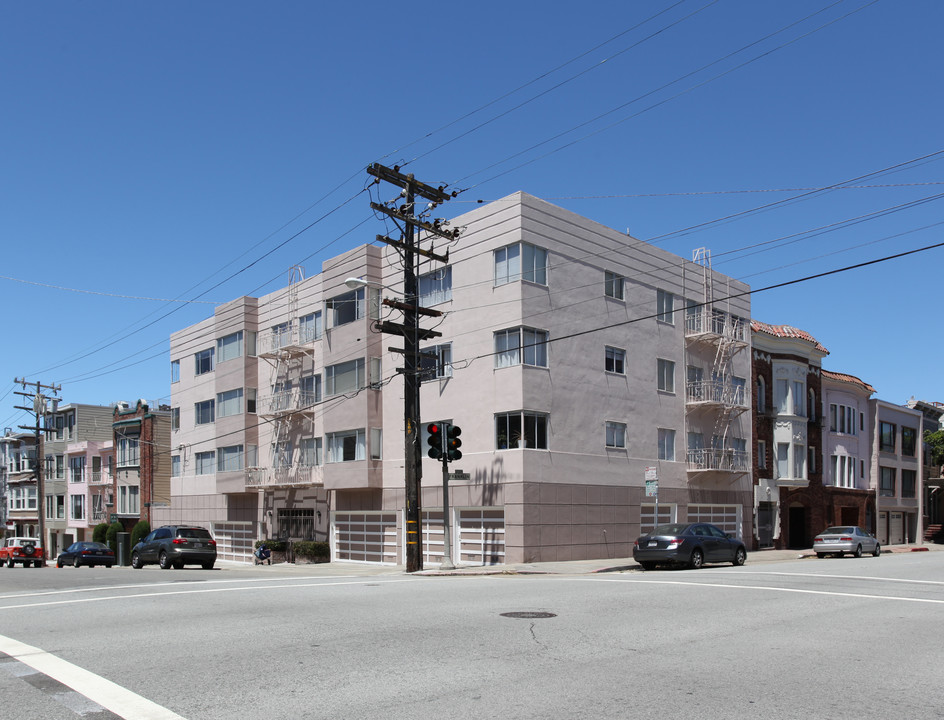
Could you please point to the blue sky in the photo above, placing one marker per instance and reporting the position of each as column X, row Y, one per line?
column 152, row 151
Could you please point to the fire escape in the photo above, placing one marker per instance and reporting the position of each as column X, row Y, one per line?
column 290, row 406
column 715, row 401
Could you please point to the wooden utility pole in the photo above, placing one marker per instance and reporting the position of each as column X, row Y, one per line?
column 39, row 408
column 409, row 220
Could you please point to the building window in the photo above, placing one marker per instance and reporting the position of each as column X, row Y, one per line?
column 310, row 389
column 128, row 451
column 613, row 285
column 309, row 450
column 665, row 307
column 615, row 435
column 811, row 405
column 761, row 454
column 435, row 287
column 521, row 429
column 908, row 444
column 347, row 446
column 281, row 335
column 346, row 307
column 615, row 361
column 175, row 465
column 521, row 261
column 761, row 395
column 886, row 436
column 344, row 377
column 666, row 372
column 783, row 460
column 843, row 471
column 230, row 402
column 436, row 362
column 175, row 418
column 203, row 362
column 842, row 419
column 310, row 327
column 799, row 396
column 77, row 507
column 282, row 454
column 60, row 467
column 204, row 412
column 886, row 482
column 908, row 483
column 376, row 443
column 128, row 500
column 783, row 396
column 174, row 377
column 251, row 400
column 77, row 469
column 666, row 444
column 517, row 346
column 229, row 459
column 205, row 462
column 811, row 460
column 230, row 347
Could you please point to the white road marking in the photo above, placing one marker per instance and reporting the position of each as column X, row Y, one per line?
column 825, row 575
column 109, row 695
column 191, row 591
column 773, row 589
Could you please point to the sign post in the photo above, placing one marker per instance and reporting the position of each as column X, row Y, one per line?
column 652, row 490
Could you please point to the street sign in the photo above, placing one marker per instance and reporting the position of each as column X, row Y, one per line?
column 459, row 475
column 652, row 488
column 652, row 473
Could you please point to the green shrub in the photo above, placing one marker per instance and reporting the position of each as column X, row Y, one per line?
column 273, row 545
column 139, row 531
column 313, row 549
column 111, row 535
column 98, row 533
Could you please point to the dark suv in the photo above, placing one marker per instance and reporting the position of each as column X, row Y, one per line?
column 175, row 546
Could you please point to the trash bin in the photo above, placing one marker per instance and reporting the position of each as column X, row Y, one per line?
column 124, row 548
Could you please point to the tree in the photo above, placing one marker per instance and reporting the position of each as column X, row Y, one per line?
column 935, row 441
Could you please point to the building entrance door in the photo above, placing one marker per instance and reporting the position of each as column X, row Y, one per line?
column 797, row 537
column 766, row 512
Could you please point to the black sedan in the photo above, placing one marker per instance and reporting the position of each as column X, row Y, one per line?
column 86, row 553
column 691, row 544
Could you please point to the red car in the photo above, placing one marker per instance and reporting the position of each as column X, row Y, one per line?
column 23, row 550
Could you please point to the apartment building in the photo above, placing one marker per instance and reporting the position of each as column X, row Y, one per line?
column 76, row 451
column 600, row 384
column 898, row 471
column 140, row 478
column 21, row 497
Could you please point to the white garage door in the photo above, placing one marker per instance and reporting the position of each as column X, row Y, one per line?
column 365, row 537
column 482, row 536
column 234, row 541
column 726, row 517
column 896, row 529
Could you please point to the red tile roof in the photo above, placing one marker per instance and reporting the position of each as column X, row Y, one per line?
column 842, row 377
column 787, row 331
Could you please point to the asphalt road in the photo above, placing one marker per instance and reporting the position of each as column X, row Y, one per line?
column 801, row 639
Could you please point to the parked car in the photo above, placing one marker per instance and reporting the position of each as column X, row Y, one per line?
column 175, row 546
column 691, row 544
column 24, row 550
column 86, row 553
column 845, row 539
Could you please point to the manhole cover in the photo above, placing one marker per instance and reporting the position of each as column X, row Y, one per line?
column 528, row 615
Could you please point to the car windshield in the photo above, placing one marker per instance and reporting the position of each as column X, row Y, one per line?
column 671, row 529
column 838, row 531
column 199, row 533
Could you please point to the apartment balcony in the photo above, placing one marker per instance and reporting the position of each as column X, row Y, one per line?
column 723, row 460
column 292, row 342
column 287, row 402
column 99, row 516
column 280, row 477
column 715, row 393
column 711, row 325
column 100, row 478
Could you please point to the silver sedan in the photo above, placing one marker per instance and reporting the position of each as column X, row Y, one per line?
column 845, row 539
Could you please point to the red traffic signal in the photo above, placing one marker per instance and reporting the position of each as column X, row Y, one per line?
column 435, row 439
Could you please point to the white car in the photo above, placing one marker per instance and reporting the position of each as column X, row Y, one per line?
column 845, row 539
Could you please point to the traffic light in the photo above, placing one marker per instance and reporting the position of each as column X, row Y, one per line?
column 453, row 443
column 435, row 438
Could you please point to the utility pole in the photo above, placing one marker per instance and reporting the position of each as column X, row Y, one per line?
column 408, row 220
column 39, row 408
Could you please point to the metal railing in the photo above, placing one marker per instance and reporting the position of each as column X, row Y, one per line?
column 293, row 400
column 714, row 391
column 715, row 322
column 721, row 459
column 292, row 476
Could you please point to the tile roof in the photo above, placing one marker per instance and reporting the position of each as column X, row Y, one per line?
column 787, row 331
column 842, row 377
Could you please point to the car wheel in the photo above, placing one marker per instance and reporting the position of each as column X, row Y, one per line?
column 10, row 562
column 697, row 559
column 858, row 551
column 136, row 561
column 820, row 555
column 877, row 551
column 164, row 561
column 76, row 563
column 740, row 555
column 108, row 565
column 648, row 565
column 207, row 566
column 58, row 563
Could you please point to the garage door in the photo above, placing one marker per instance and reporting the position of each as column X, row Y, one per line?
column 365, row 537
column 896, row 529
column 726, row 517
column 433, row 537
column 482, row 536
column 234, row 541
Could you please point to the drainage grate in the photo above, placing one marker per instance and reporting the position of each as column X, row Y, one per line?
column 528, row 615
